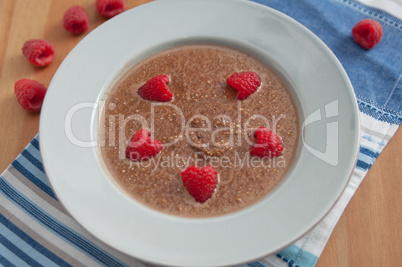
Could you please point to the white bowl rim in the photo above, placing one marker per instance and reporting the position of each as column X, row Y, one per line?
column 271, row 224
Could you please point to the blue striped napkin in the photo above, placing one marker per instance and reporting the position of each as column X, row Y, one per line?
column 35, row 229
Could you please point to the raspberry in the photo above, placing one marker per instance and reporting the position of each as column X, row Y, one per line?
column 268, row 144
column 244, row 82
column 76, row 20
column 38, row 52
column 142, row 147
column 367, row 33
column 110, row 8
column 156, row 89
column 30, row 94
column 200, row 182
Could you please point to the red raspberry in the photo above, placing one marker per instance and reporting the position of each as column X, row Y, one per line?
column 244, row 82
column 110, row 8
column 156, row 89
column 76, row 20
column 30, row 94
column 142, row 147
column 367, row 33
column 200, row 182
column 38, row 52
column 268, row 144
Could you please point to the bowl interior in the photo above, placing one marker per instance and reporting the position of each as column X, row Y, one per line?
column 256, row 52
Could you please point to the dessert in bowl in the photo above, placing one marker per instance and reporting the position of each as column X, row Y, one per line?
column 204, row 123
column 324, row 155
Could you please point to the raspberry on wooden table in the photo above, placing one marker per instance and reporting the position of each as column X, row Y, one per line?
column 110, row 8
column 200, row 182
column 38, row 52
column 76, row 20
column 367, row 33
column 30, row 94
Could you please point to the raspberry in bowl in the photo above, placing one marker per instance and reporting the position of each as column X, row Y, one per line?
column 208, row 105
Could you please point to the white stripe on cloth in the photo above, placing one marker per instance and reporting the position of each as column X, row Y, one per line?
column 393, row 7
column 37, row 200
column 375, row 134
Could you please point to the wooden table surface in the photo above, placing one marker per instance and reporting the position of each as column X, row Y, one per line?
column 369, row 232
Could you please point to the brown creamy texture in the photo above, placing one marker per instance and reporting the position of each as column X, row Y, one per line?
column 208, row 126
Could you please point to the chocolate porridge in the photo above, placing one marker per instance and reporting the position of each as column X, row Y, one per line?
column 203, row 124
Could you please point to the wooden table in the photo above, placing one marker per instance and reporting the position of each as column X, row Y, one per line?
column 369, row 232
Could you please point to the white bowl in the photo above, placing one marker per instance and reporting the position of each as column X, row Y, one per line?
column 325, row 158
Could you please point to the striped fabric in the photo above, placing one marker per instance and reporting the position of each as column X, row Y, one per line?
column 35, row 229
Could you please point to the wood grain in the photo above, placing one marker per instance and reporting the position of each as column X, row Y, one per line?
column 368, row 233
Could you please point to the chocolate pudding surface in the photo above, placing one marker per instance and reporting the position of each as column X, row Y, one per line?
column 203, row 124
